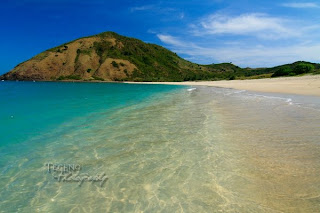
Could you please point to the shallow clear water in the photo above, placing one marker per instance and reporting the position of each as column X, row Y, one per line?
column 163, row 149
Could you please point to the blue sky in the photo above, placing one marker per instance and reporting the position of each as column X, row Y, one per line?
column 244, row 32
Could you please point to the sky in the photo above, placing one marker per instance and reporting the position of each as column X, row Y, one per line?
column 248, row 33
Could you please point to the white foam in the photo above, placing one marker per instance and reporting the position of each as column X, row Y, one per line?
column 239, row 91
column 191, row 89
column 287, row 100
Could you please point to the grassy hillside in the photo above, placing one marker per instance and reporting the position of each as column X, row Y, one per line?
column 112, row 57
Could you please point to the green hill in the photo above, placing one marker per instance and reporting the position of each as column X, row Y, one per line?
column 112, row 57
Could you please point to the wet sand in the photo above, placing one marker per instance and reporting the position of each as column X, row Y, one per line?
column 302, row 85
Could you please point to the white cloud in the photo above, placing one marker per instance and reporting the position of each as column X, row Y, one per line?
column 301, row 5
column 253, row 56
column 142, row 8
column 254, row 24
column 254, row 39
column 167, row 39
column 163, row 12
column 265, row 56
column 154, row 8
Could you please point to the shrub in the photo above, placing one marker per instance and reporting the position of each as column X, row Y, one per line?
column 97, row 78
column 61, row 77
column 115, row 64
column 69, row 77
column 101, row 49
column 303, row 68
column 74, row 77
column 88, row 70
column 283, row 71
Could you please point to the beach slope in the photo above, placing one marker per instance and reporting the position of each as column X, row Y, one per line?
column 302, row 85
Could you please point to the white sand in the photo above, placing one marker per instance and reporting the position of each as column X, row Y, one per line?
column 303, row 85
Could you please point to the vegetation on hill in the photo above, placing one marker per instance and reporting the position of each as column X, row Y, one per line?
column 112, row 57
column 296, row 68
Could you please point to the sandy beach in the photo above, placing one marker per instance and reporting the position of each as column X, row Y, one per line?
column 302, row 85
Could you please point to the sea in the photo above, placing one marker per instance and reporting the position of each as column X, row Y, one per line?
column 116, row 147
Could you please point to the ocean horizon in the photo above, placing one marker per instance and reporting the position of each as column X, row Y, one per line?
column 114, row 147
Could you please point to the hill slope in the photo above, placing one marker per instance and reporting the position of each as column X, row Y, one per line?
column 112, row 57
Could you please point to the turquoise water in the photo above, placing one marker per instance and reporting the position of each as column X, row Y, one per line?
column 161, row 148
column 29, row 109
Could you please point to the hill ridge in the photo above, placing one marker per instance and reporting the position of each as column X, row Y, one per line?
column 109, row 56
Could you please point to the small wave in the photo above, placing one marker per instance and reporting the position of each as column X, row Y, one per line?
column 191, row 89
column 289, row 101
column 230, row 91
column 239, row 91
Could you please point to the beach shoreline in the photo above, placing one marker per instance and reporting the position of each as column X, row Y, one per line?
column 298, row 85
column 301, row 85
